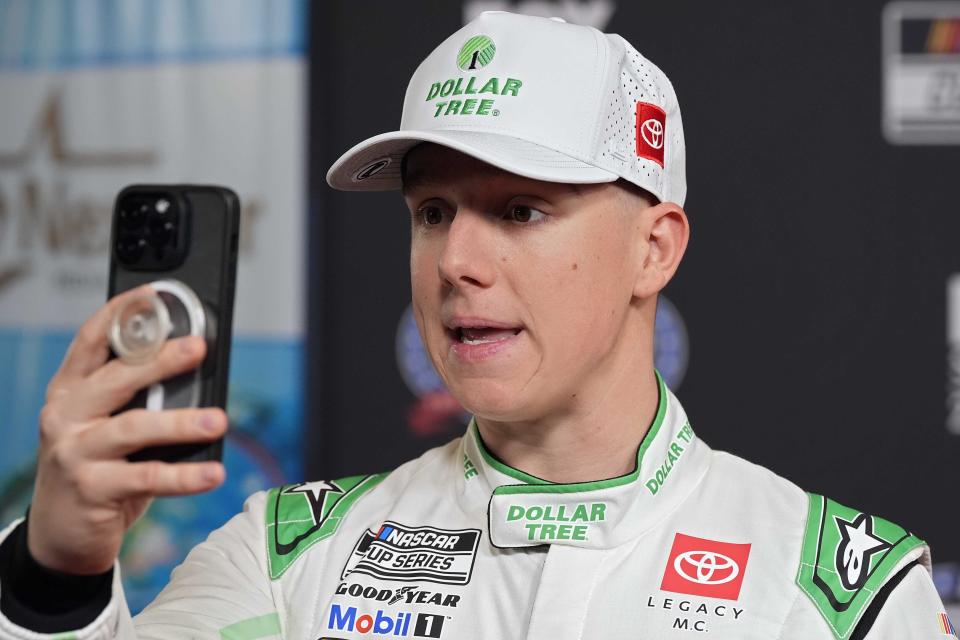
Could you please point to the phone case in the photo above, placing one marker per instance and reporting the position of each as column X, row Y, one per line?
column 209, row 234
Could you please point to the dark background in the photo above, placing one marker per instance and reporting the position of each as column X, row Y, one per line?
column 813, row 289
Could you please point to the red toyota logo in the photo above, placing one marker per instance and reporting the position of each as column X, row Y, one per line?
column 701, row 567
column 651, row 132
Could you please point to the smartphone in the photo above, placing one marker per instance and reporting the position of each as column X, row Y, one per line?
column 186, row 236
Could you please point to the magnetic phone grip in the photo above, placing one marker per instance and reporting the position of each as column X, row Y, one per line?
column 140, row 327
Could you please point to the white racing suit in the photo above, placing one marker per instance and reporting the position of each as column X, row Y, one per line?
column 457, row 545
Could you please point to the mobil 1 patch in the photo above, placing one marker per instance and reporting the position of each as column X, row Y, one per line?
column 414, row 554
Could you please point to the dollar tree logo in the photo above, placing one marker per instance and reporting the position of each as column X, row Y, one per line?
column 476, row 53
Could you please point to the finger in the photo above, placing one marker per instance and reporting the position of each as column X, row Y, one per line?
column 153, row 478
column 89, row 349
column 113, row 385
column 138, row 428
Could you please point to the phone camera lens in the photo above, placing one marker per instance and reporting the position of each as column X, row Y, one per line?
column 130, row 248
column 160, row 232
column 150, row 228
column 132, row 217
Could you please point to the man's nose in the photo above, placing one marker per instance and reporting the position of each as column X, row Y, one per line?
column 467, row 258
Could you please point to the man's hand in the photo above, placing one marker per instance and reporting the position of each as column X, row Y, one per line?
column 87, row 494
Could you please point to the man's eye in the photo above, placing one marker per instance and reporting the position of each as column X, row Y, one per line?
column 524, row 213
column 431, row 215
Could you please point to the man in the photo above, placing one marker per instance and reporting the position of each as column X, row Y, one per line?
column 543, row 166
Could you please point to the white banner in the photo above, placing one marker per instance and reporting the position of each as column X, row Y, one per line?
column 69, row 141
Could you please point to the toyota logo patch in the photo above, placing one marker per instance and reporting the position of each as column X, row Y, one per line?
column 651, row 132
column 701, row 567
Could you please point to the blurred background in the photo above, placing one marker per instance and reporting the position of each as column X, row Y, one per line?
column 814, row 327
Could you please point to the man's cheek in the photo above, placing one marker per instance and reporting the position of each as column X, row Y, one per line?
column 418, row 272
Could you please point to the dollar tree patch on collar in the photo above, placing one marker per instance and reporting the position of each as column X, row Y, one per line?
column 847, row 557
column 526, row 511
column 300, row 515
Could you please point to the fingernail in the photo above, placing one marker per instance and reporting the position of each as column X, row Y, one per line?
column 208, row 422
column 187, row 345
column 211, row 474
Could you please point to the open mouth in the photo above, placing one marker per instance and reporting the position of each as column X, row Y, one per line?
column 482, row 335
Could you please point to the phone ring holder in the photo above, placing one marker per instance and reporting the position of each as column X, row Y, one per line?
column 141, row 326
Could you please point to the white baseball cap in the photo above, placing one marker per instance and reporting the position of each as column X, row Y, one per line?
column 539, row 98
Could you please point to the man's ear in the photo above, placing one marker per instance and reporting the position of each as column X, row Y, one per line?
column 665, row 232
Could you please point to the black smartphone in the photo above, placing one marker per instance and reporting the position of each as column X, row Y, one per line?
column 184, row 237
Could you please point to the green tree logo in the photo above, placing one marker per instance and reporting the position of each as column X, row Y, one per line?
column 476, row 53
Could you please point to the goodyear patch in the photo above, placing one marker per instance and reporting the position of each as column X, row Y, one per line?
column 300, row 515
column 847, row 556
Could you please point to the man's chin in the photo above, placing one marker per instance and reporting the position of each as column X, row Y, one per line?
column 491, row 399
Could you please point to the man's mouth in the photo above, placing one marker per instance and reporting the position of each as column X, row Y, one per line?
column 484, row 335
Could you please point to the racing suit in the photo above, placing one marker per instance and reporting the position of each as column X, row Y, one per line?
column 457, row 544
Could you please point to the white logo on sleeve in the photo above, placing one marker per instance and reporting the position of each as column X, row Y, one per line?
column 857, row 545
column 315, row 494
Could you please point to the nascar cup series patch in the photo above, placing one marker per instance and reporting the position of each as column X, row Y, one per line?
column 300, row 515
column 401, row 553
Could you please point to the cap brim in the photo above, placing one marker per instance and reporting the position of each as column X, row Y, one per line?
column 374, row 164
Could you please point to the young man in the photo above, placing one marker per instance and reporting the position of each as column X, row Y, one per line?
column 543, row 166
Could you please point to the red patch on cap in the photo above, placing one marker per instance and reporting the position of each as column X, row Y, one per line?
column 651, row 132
column 700, row 567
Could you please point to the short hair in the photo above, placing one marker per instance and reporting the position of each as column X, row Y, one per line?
column 638, row 191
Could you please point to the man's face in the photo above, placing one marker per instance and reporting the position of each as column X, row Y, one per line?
column 521, row 288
